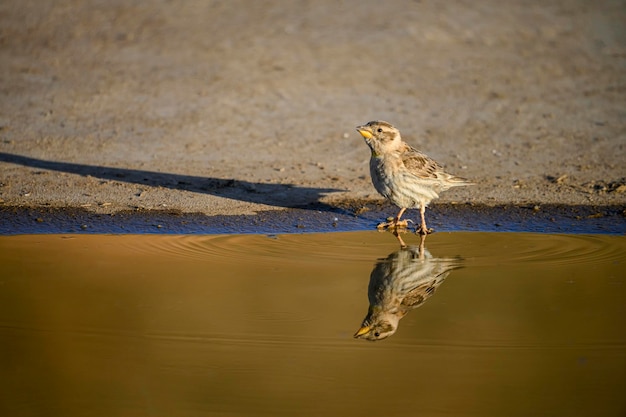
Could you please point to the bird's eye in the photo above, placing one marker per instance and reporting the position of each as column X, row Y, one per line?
column 376, row 334
column 379, row 130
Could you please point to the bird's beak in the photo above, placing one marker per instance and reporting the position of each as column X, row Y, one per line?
column 364, row 131
column 363, row 330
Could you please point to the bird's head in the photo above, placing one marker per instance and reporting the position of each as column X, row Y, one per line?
column 379, row 323
column 380, row 136
column 376, row 331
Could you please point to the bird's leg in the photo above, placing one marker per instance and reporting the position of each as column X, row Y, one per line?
column 403, row 223
column 394, row 222
column 421, row 246
column 396, row 233
column 423, row 230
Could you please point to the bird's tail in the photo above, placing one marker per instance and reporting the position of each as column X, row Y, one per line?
column 454, row 181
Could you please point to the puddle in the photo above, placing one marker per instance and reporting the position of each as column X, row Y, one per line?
column 488, row 324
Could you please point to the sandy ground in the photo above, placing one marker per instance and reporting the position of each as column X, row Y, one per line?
column 235, row 107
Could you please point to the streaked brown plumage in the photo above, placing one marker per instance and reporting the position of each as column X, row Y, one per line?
column 400, row 283
column 402, row 174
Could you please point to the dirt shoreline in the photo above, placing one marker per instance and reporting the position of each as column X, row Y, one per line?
column 352, row 216
column 237, row 108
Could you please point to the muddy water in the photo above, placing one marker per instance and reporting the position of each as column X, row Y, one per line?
column 488, row 324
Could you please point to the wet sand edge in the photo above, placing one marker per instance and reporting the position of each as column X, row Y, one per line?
column 350, row 215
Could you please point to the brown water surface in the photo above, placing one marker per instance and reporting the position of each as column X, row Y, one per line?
column 152, row 325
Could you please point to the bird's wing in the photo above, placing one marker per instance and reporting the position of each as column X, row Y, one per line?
column 420, row 294
column 419, row 164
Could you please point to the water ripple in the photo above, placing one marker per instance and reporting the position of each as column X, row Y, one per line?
column 481, row 248
column 554, row 250
column 335, row 247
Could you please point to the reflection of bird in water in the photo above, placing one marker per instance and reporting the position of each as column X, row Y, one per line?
column 398, row 284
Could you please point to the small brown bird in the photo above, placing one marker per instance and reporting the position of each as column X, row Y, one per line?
column 402, row 174
column 400, row 283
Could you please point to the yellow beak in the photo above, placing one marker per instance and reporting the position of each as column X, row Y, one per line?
column 363, row 330
column 364, row 132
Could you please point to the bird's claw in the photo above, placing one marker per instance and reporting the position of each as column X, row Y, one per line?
column 393, row 224
column 424, row 231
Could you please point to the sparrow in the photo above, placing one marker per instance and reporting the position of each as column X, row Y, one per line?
column 400, row 283
column 402, row 174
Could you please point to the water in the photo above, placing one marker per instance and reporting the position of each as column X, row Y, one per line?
column 492, row 324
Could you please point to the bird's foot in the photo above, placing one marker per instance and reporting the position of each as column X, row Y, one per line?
column 393, row 224
column 423, row 230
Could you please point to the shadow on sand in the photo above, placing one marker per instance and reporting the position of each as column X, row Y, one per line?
column 280, row 195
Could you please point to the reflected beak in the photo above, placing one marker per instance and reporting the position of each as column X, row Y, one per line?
column 363, row 330
column 365, row 132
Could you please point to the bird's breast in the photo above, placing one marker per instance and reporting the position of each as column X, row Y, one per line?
column 382, row 175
